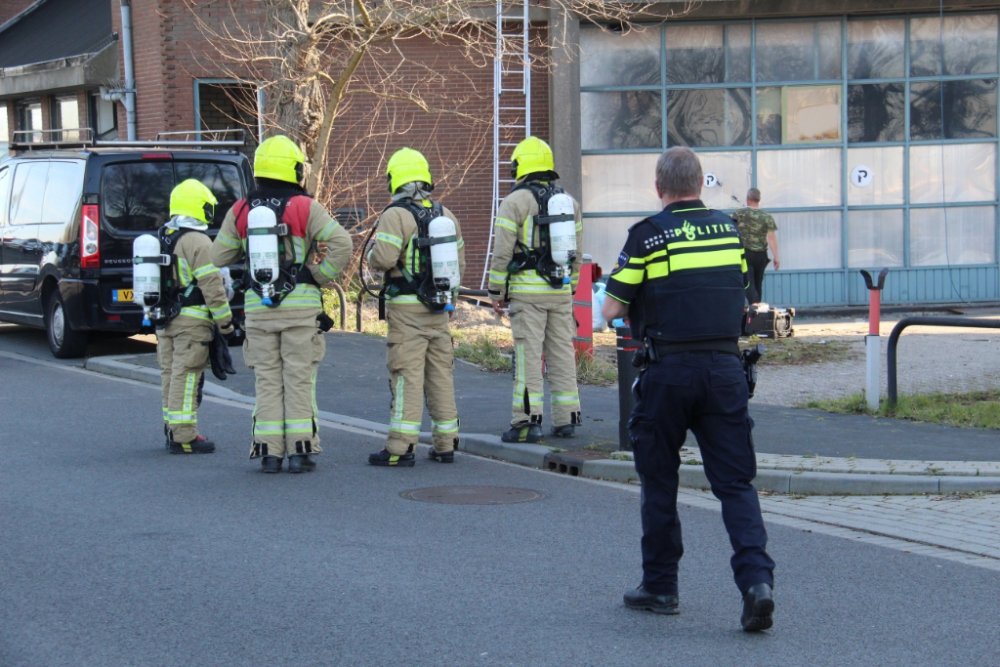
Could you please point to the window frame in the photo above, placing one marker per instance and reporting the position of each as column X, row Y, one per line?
column 843, row 143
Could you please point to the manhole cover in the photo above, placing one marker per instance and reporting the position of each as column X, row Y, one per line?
column 472, row 495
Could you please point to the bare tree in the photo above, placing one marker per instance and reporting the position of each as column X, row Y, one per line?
column 372, row 72
column 310, row 55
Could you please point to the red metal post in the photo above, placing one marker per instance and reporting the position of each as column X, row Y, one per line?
column 874, row 311
column 583, row 309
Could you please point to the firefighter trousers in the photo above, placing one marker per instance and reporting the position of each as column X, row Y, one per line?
column 544, row 328
column 284, row 356
column 182, row 351
column 420, row 359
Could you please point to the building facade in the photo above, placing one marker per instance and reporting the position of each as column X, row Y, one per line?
column 871, row 135
column 869, row 126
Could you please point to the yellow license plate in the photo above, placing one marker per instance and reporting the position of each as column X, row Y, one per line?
column 122, row 296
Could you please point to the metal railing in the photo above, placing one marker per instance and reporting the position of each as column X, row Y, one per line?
column 343, row 305
column 962, row 322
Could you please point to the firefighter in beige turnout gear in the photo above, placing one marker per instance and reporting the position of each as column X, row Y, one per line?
column 284, row 344
column 541, row 314
column 182, row 345
column 419, row 355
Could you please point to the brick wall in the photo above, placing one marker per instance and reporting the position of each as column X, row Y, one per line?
column 11, row 8
column 171, row 52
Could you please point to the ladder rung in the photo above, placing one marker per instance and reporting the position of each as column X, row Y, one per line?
column 513, row 108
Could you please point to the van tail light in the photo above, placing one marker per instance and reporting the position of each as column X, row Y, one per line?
column 90, row 237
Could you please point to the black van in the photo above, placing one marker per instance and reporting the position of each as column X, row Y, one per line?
column 67, row 221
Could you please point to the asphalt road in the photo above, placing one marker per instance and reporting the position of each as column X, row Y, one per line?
column 115, row 553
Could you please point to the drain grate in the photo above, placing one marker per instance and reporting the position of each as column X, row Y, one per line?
column 472, row 495
column 570, row 463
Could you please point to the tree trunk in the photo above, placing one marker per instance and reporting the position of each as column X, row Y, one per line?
column 295, row 104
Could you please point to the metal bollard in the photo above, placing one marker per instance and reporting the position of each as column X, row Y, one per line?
column 627, row 374
column 873, row 343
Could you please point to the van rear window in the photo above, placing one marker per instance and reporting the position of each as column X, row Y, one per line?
column 135, row 196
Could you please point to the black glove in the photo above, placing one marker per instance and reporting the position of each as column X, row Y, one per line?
column 218, row 355
column 324, row 321
column 233, row 334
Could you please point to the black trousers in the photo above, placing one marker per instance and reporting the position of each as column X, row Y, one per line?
column 757, row 261
column 707, row 393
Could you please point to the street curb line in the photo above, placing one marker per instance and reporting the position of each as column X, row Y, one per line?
column 691, row 476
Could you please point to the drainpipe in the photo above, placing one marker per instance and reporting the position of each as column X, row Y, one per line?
column 129, row 73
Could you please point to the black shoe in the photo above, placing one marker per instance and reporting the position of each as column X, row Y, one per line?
column 758, row 605
column 564, row 431
column 640, row 598
column 166, row 435
column 200, row 445
column 525, row 433
column 300, row 463
column 271, row 464
column 442, row 457
column 384, row 458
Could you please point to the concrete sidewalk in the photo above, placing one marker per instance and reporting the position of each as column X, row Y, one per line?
column 353, row 383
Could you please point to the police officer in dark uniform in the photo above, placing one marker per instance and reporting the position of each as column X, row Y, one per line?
column 681, row 279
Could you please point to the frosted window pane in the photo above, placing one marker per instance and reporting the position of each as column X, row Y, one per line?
column 768, row 116
column 875, row 239
column 616, row 59
column 804, row 177
column 604, row 238
column 875, row 49
column 708, row 53
column 950, row 236
column 708, row 117
column 876, row 112
column 952, row 173
column 809, row 240
column 970, row 109
column 810, row 114
column 798, row 51
column 732, row 173
column 621, row 120
column 886, row 168
column 970, row 45
column 620, row 183
column 695, row 54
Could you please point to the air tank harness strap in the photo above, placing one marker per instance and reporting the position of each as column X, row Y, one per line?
column 427, row 242
column 549, row 219
column 278, row 230
column 161, row 260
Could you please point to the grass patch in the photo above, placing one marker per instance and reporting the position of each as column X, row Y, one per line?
column 978, row 409
column 596, row 371
column 491, row 351
column 803, row 351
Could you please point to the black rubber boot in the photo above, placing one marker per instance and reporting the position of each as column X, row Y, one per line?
column 442, row 457
column 300, row 463
column 384, row 458
column 758, row 605
column 199, row 445
column 640, row 598
column 166, row 435
column 525, row 433
column 564, row 431
column 271, row 464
